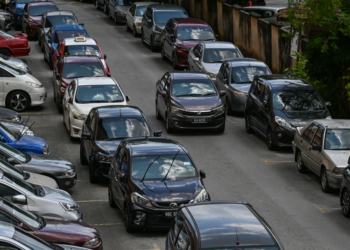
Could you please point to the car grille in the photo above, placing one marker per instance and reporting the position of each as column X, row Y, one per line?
column 198, row 113
column 201, row 125
column 166, row 205
column 160, row 222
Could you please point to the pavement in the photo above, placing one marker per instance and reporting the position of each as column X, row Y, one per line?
column 239, row 166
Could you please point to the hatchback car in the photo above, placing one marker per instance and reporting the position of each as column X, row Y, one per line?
column 278, row 105
column 86, row 93
column 134, row 16
column 150, row 178
column 16, row 45
column 180, row 35
column 235, row 77
column 345, row 191
column 154, row 20
column 117, row 9
column 202, row 226
column 189, row 100
column 323, row 146
column 102, row 131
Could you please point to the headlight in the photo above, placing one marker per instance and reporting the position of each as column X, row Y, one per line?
column 70, row 172
column 103, row 157
column 202, row 196
column 176, row 109
column 34, row 85
column 21, row 66
column 219, row 110
column 338, row 170
column 16, row 119
column 91, row 243
column 121, row 14
column 79, row 116
column 140, row 200
column 45, row 150
column 68, row 207
column 329, row 117
column 280, row 121
column 212, row 75
column 27, row 132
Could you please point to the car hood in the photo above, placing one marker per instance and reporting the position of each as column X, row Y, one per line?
column 15, row 127
column 8, row 114
column 338, row 157
column 244, row 87
column 40, row 163
column 58, row 195
column 188, row 44
column 197, row 103
column 174, row 191
column 31, row 140
column 32, row 79
column 86, row 107
column 123, row 8
column 212, row 67
column 35, row 19
column 110, row 147
column 301, row 118
column 42, row 180
column 69, row 247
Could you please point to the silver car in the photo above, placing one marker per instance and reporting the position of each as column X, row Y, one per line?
column 323, row 146
column 47, row 202
column 17, row 127
column 15, row 63
column 207, row 57
column 264, row 11
column 134, row 17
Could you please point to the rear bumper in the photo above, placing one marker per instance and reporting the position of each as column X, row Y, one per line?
column 334, row 180
column 20, row 52
column 65, row 182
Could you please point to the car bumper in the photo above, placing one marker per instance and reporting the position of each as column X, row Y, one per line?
column 75, row 127
column 121, row 19
column 180, row 121
column 20, row 52
column 181, row 58
column 138, row 28
column 65, row 182
column 237, row 101
column 38, row 96
column 334, row 180
column 33, row 31
column 73, row 216
column 283, row 136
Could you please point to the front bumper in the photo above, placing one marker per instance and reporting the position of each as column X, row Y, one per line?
column 65, row 182
column 73, row 215
column 38, row 96
column 121, row 18
column 237, row 101
column 181, row 121
column 75, row 127
column 283, row 136
column 334, row 180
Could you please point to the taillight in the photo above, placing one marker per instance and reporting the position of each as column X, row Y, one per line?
column 26, row 43
column 250, row 3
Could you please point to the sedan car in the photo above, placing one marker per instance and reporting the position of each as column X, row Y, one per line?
column 134, row 17
column 52, row 231
column 235, row 77
column 323, row 146
column 117, row 9
column 14, row 45
column 189, row 100
column 150, row 178
column 207, row 57
column 86, row 93
column 345, row 191
column 264, row 11
column 15, row 63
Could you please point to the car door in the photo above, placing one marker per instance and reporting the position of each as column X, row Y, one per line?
column 121, row 180
column 166, row 36
column 89, row 129
column 115, row 178
column 130, row 16
column 169, row 39
column 225, row 81
column 47, row 41
column 305, row 144
column 254, row 104
column 161, row 99
column 315, row 155
column 25, row 17
column 262, row 115
column 10, row 82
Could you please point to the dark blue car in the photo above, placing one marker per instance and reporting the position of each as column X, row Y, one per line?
column 25, row 143
column 16, row 7
column 56, row 34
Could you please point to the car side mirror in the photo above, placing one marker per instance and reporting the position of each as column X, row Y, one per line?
column 86, row 136
column 196, row 59
column 81, row 24
column 127, row 98
column 162, row 93
column 222, row 93
column 19, row 199
column 316, row 148
column 11, row 161
column 105, row 56
column 157, row 133
column 328, row 104
column 109, row 74
column 58, row 76
column 202, row 174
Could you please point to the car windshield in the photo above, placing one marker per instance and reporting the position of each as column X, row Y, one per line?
column 195, row 33
column 74, row 70
column 31, row 241
column 40, row 10
column 246, row 248
column 127, row 2
column 219, row 55
column 164, row 16
column 11, row 69
column 297, row 100
column 98, row 93
column 195, row 87
column 5, row 167
column 337, row 139
column 82, row 49
column 121, row 127
column 174, row 167
column 58, row 20
column 5, row 35
column 19, row 183
column 140, row 10
column 13, row 152
column 245, row 74
column 62, row 34
column 7, row 132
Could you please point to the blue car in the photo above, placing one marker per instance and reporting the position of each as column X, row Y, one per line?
column 56, row 34
column 16, row 7
column 25, row 143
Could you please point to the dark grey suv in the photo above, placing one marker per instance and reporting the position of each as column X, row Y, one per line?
column 345, row 191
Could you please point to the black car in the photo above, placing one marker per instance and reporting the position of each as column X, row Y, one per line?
column 154, row 20
column 221, row 225
column 62, row 171
column 189, row 100
column 278, row 105
column 102, row 132
column 149, row 178
column 345, row 191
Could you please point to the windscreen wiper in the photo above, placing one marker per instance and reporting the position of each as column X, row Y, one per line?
column 170, row 166
column 115, row 138
column 149, row 168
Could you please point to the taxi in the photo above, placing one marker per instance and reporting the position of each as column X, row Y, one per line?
column 79, row 46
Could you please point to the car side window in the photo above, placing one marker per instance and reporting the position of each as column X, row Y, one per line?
column 222, row 69
column 317, row 141
column 119, row 158
column 49, row 33
column 264, row 94
column 5, row 73
column 200, row 49
column 124, row 163
column 309, row 133
column 5, row 218
column 92, row 125
column 163, row 80
column 257, row 90
column 183, row 239
column 347, row 174
column 7, row 193
column 132, row 9
column 167, row 27
column 226, row 74
column 253, row 87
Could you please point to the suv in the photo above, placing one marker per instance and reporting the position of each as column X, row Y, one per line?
column 278, row 105
column 154, row 20
column 221, row 225
column 149, row 178
column 182, row 34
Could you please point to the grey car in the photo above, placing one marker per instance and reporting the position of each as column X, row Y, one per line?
column 345, row 191
column 9, row 115
column 134, row 17
column 15, row 63
column 264, row 11
column 323, row 146
column 6, row 20
column 17, row 128
column 117, row 9
column 235, row 77
column 207, row 57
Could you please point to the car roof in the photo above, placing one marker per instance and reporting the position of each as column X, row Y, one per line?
column 6, row 230
column 160, row 7
column 221, row 224
column 83, row 81
column 278, row 81
column 219, row 45
column 189, row 75
column 235, row 62
column 118, row 111
column 59, row 13
column 68, row 27
column 71, row 41
column 190, row 22
column 334, row 123
column 40, row 3
column 77, row 59
column 264, row 8
column 144, row 3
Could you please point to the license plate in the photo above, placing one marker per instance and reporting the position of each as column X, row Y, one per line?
column 199, row 120
column 170, row 214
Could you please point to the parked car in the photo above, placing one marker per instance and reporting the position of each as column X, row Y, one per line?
column 264, row 11
column 71, row 67
column 21, row 90
column 17, row 128
column 52, row 18
column 202, row 225
column 32, row 13
column 5, row 20
column 102, row 131
column 154, row 20
column 180, row 35
column 245, row 3
column 86, row 93
column 53, row 231
column 134, row 17
column 14, row 45
column 15, row 63
column 9, row 115
column 207, row 57
column 189, row 100
column 323, row 147
column 104, row 4
column 345, row 191
column 278, row 105
column 62, row 171
column 117, row 9
column 56, row 34
column 235, row 77
column 150, row 178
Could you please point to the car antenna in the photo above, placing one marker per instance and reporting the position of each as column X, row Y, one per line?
column 25, row 126
column 237, row 243
column 27, row 129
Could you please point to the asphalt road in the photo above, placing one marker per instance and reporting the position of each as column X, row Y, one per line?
column 238, row 166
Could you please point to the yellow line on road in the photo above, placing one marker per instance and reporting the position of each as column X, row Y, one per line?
column 97, row 15
column 87, row 201
column 269, row 162
column 328, row 209
column 106, row 224
column 126, row 39
column 72, row 2
column 155, row 247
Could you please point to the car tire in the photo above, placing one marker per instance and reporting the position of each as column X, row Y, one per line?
column 109, row 15
column 115, row 18
column 248, row 128
column 158, row 116
column 162, row 54
column 345, row 203
column 96, row 5
column 300, row 164
column 270, row 143
column 174, row 61
column 153, row 48
column 134, row 32
column 127, row 218
column 20, row 98
column 168, row 128
column 92, row 177
column 110, row 197
column 83, row 160
column 127, row 27
column 324, row 181
column 105, row 9
column 228, row 107
column 5, row 52
column 142, row 37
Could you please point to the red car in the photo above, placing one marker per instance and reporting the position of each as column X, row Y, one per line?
column 53, row 231
column 14, row 45
column 182, row 34
column 32, row 14
column 70, row 67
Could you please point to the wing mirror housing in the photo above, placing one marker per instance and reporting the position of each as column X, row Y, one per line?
column 127, row 98
column 157, row 133
column 11, row 161
column 317, row 148
column 105, row 56
column 86, row 136
column 222, row 93
column 162, row 93
column 202, row 174
column 19, row 199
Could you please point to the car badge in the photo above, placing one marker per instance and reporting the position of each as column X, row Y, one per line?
column 173, row 205
column 199, row 113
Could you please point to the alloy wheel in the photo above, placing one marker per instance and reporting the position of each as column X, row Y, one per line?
column 134, row 32
column 346, row 203
column 19, row 102
column 270, row 144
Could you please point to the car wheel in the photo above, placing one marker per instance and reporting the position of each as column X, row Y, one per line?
column 248, row 128
column 300, row 164
column 83, row 160
column 153, row 48
column 5, row 52
column 134, row 32
column 127, row 216
column 142, row 37
column 39, row 40
column 93, row 178
column 270, row 142
column 158, row 116
column 105, row 9
column 345, row 203
column 228, row 107
column 167, row 124
column 127, row 27
column 324, row 181
column 162, row 54
column 115, row 18
column 174, row 61
column 110, row 197
column 18, row 101
column 96, row 5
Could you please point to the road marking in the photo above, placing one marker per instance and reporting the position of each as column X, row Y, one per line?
column 85, row 6
column 126, row 39
column 87, row 201
column 97, row 15
column 106, row 224
column 82, row 180
column 155, row 247
column 269, row 162
column 324, row 209
column 112, row 27
column 72, row 2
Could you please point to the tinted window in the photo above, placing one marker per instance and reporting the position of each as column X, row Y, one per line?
column 5, row 35
column 98, row 93
column 245, row 74
column 7, row 132
column 164, row 16
column 31, row 241
column 13, row 152
column 6, row 167
column 70, row 34
column 74, row 70
column 40, row 10
column 80, row 49
column 317, row 141
column 195, row 33
column 58, row 20
column 7, row 192
column 309, row 133
column 19, row 183
column 219, row 55
column 196, row 87
column 140, row 10
column 337, row 139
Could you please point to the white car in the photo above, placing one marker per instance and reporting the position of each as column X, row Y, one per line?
column 20, row 89
column 134, row 16
column 85, row 93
